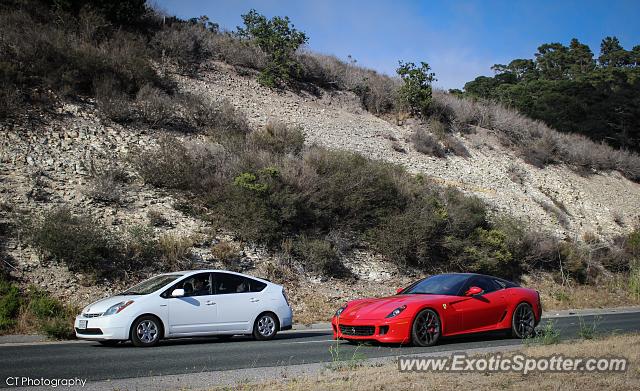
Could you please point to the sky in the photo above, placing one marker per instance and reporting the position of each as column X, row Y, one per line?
column 460, row 40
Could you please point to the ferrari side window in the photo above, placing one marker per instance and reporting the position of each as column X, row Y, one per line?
column 499, row 284
column 486, row 284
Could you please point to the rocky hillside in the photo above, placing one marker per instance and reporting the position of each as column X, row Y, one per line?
column 55, row 161
column 555, row 198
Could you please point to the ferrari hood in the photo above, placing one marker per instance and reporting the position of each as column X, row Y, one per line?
column 101, row 306
column 381, row 307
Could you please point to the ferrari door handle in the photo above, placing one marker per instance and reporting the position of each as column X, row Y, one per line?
column 254, row 300
column 210, row 302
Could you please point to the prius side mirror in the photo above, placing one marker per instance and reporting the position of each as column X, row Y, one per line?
column 473, row 291
column 177, row 293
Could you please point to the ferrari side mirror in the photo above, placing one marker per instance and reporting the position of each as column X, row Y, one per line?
column 474, row 290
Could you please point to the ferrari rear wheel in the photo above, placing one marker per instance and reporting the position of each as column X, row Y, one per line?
column 523, row 321
column 426, row 328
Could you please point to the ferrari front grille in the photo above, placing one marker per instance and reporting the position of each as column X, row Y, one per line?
column 360, row 331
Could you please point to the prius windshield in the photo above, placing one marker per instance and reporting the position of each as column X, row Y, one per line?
column 151, row 285
column 442, row 284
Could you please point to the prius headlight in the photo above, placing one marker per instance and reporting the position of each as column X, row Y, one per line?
column 116, row 308
column 396, row 312
column 340, row 310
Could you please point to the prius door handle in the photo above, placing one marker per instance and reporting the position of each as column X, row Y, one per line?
column 210, row 302
column 254, row 300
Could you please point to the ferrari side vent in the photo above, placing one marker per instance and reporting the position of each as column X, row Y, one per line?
column 503, row 315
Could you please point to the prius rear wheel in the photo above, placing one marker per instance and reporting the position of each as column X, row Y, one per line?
column 426, row 329
column 266, row 326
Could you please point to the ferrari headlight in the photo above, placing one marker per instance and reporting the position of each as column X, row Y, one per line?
column 397, row 311
column 116, row 308
column 340, row 310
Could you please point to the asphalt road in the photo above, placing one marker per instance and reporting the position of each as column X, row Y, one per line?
column 95, row 362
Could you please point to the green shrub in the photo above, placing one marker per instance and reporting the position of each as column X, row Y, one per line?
column 43, row 306
column 487, row 252
column 278, row 38
column 413, row 238
column 137, row 247
column 59, row 328
column 415, row 92
column 634, row 280
column 191, row 166
column 79, row 241
column 319, row 256
column 632, row 243
column 9, row 304
column 350, row 191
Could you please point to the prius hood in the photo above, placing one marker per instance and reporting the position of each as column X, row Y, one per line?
column 381, row 307
column 101, row 306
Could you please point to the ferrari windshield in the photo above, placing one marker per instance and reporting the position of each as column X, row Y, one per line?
column 151, row 285
column 442, row 284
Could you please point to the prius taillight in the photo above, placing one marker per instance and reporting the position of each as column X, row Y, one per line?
column 284, row 294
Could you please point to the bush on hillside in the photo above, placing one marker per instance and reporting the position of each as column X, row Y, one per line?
column 70, row 57
column 415, row 92
column 278, row 138
column 279, row 40
column 425, row 143
column 79, row 241
column 319, row 256
column 9, row 304
column 191, row 166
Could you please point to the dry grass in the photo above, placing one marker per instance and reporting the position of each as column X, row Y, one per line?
column 538, row 144
column 176, row 251
column 387, row 377
column 613, row 291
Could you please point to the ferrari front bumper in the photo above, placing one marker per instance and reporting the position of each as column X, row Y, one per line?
column 386, row 330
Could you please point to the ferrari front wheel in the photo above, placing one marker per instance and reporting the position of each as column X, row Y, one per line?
column 523, row 321
column 426, row 328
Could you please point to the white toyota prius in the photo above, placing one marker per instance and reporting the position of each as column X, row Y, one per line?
column 188, row 304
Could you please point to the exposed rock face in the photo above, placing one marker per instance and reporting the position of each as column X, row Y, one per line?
column 604, row 204
column 52, row 164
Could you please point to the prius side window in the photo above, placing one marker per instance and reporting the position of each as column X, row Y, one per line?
column 256, row 286
column 230, row 283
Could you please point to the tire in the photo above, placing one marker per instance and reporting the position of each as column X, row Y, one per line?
column 523, row 321
column 426, row 328
column 109, row 342
column 146, row 331
column 265, row 327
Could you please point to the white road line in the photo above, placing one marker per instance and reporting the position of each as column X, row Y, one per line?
column 322, row 341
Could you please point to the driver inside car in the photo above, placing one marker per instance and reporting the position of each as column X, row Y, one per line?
column 200, row 288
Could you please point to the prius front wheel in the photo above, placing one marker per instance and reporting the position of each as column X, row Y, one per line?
column 146, row 331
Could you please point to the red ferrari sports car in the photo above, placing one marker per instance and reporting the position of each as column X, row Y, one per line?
column 440, row 306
